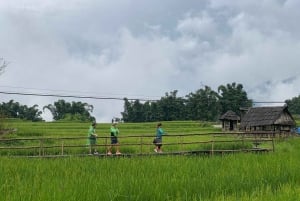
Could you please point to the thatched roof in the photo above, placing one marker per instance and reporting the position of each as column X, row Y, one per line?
column 230, row 115
column 262, row 116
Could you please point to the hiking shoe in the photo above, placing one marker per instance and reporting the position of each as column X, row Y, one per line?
column 109, row 153
column 155, row 150
column 96, row 152
column 118, row 153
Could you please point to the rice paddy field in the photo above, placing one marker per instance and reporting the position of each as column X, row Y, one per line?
column 242, row 176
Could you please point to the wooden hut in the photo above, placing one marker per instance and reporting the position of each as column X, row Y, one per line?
column 276, row 119
column 229, row 121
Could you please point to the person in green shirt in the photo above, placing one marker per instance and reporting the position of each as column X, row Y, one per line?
column 92, row 138
column 114, row 132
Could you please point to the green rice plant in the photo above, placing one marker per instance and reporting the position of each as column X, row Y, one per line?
column 242, row 176
column 230, row 177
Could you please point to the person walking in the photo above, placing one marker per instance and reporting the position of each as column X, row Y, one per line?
column 114, row 132
column 158, row 139
column 92, row 138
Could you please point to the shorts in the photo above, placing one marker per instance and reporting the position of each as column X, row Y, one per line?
column 114, row 140
column 157, row 141
column 92, row 141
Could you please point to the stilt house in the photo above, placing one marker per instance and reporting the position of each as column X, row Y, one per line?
column 276, row 119
column 230, row 121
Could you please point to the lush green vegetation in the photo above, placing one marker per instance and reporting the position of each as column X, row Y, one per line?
column 272, row 176
column 60, row 110
column 243, row 176
column 41, row 138
column 204, row 104
column 73, row 128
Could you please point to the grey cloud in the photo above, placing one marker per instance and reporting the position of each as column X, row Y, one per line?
column 146, row 48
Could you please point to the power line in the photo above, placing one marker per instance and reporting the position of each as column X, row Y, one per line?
column 71, row 96
column 39, row 90
column 106, row 98
column 268, row 102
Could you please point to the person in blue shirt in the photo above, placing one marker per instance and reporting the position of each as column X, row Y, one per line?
column 158, row 139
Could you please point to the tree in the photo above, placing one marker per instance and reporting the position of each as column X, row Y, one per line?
column 3, row 65
column 133, row 111
column 172, row 107
column 203, row 105
column 127, row 113
column 294, row 105
column 13, row 109
column 168, row 108
column 233, row 97
column 70, row 111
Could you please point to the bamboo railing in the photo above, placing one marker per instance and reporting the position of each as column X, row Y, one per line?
column 204, row 143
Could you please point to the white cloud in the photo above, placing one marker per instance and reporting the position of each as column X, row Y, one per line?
column 202, row 26
column 112, row 49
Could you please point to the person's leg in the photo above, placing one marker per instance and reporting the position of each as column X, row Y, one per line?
column 156, row 148
column 109, row 150
column 160, row 149
column 118, row 149
column 95, row 149
column 90, row 149
column 110, row 147
column 158, row 145
column 115, row 144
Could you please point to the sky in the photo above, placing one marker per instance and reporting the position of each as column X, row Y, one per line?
column 144, row 49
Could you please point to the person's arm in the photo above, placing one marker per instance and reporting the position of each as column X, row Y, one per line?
column 92, row 132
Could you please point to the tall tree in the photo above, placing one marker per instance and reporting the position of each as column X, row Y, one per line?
column 233, row 97
column 294, row 105
column 172, row 107
column 127, row 113
column 70, row 111
column 138, row 113
column 13, row 109
column 133, row 111
column 203, row 105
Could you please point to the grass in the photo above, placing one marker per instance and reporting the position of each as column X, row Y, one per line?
column 42, row 131
column 245, row 177
column 273, row 176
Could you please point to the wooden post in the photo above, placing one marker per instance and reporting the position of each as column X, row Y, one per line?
column 181, row 143
column 243, row 140
column 273, row 145
column 141, row 151
column 62, row 148
column 106, row 147
column 212, row 145
column 41, row 147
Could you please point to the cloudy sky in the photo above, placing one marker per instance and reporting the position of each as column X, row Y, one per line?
column 143, row 49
